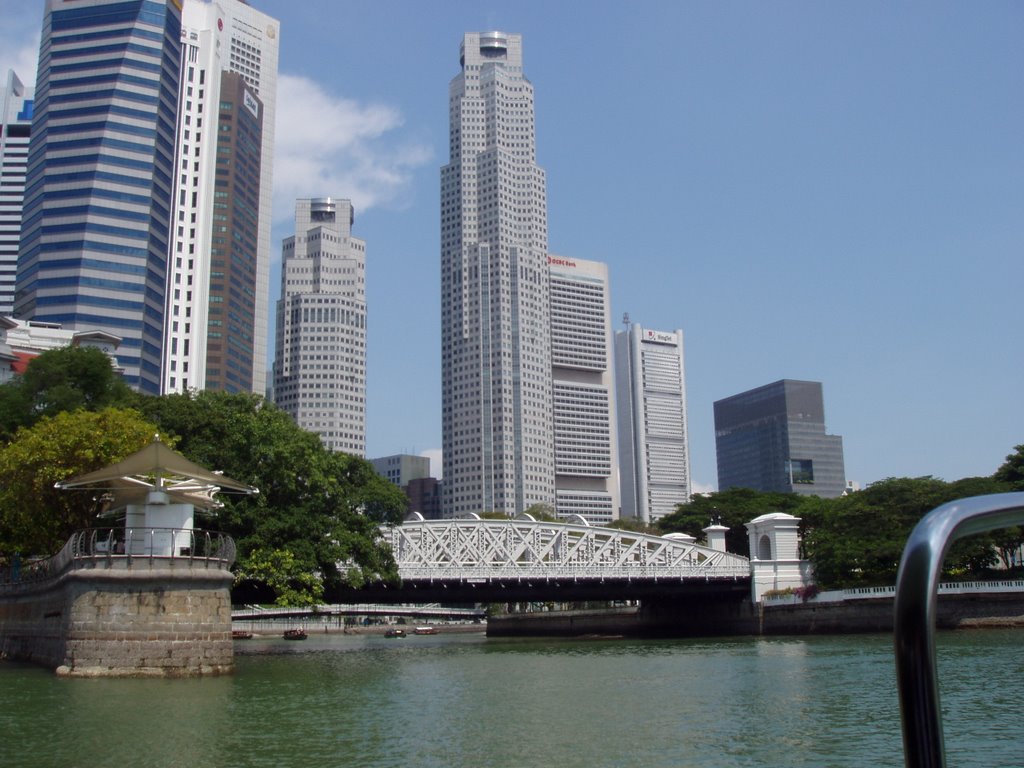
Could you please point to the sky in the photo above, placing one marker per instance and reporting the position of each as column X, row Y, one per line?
column 821, row 191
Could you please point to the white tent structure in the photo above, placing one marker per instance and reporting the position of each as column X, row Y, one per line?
column 159, row 489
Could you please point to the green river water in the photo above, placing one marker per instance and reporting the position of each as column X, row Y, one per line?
column 464, row 700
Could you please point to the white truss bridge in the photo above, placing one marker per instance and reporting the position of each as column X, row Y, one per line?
column 481, row 551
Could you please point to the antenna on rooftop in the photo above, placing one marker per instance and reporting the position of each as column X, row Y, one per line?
column 625, row 319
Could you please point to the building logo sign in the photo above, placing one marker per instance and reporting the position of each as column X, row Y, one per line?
column 251, row 104
column 557, row 262
column 660, row 338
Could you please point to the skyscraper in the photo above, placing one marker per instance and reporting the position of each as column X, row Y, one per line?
column 497, row 398
column 234, row 265
column 15, row 128
column 320, row 365
column 586, row 449
column 772, row 438
column 211, row 221
column 93, row 248
column 654, row 452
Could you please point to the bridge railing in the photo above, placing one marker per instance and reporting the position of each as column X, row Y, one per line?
column 882, row 593
column 544, row 572
column 122, row 548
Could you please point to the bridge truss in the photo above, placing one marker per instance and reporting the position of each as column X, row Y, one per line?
column 475, row 551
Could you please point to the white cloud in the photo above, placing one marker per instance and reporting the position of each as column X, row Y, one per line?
column 328, row 145
column 436, row 467
column 702, row 488
column 19, row 41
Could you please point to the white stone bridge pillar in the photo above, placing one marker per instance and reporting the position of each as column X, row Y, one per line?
column 775, row 555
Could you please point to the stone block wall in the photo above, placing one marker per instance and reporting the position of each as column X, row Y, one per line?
column 146, row 621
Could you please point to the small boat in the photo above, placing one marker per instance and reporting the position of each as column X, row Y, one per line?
column 295, row 634
column 240, row 634
column 424, row 631
column 395, row 633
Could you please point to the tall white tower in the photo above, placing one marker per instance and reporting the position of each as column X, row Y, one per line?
column 586, row 450
column 496, row 345
column 15, row 127
column 654, row 453
column 216, row 36
column 320, row 365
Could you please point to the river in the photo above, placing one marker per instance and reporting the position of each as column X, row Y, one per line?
column 464, row 700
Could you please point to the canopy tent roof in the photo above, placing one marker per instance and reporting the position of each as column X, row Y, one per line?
column 158, row 468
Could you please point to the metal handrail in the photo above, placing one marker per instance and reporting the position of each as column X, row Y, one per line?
column 915, row 610
column 121, row 547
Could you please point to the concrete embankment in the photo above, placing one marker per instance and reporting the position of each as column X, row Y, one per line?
column 745, row 618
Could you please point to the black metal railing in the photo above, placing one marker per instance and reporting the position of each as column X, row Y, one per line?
column 914, row 620
column 123, row 547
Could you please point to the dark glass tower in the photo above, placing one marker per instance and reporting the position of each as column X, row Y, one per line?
column 773, row 439
column 233, row 250
column 93, row 251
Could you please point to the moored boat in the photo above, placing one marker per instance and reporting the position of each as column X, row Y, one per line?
column 295, row 634
column 424, row 631
column 240, row 634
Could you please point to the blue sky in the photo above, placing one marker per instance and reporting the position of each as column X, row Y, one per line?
column 823, row 191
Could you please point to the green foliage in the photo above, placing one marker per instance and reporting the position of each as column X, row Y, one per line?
column 1012, row 470
column 633, row 525
column 733, row 509
column 279, row 570
column 36, row 518
column 323, row 508
column 857, row 540
column 61, row 380
column 541, row 513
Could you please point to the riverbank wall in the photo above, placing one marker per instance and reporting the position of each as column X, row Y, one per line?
column 147, row 618
column 825, row 617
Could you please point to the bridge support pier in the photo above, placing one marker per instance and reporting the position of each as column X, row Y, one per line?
column 696, row 616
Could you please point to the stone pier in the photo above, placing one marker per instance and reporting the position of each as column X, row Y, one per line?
column 118, row 617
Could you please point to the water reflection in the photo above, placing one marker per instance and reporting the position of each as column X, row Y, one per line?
column 460, row 700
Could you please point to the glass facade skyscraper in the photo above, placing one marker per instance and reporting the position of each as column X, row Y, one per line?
column 773, row 439
column 93, row 250
column 215, row 218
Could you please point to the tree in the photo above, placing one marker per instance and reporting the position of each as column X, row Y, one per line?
column 734, row 509
column 858, row 540
column 540, row 512
column 60, row 380
column 983, row 550
column 280, row 571
column 633, row 525
column 1012, row 470
column 322, row 508
column 36, row 518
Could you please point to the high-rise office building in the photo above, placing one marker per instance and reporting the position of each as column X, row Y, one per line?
column 772, row 438
column 320, row 364
column 586, row 449
column 497, row 429
column 654, row 452
column 231, row 325
column 402, row 468
column 215, row 218
column 15, row 128
column 98, row 185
